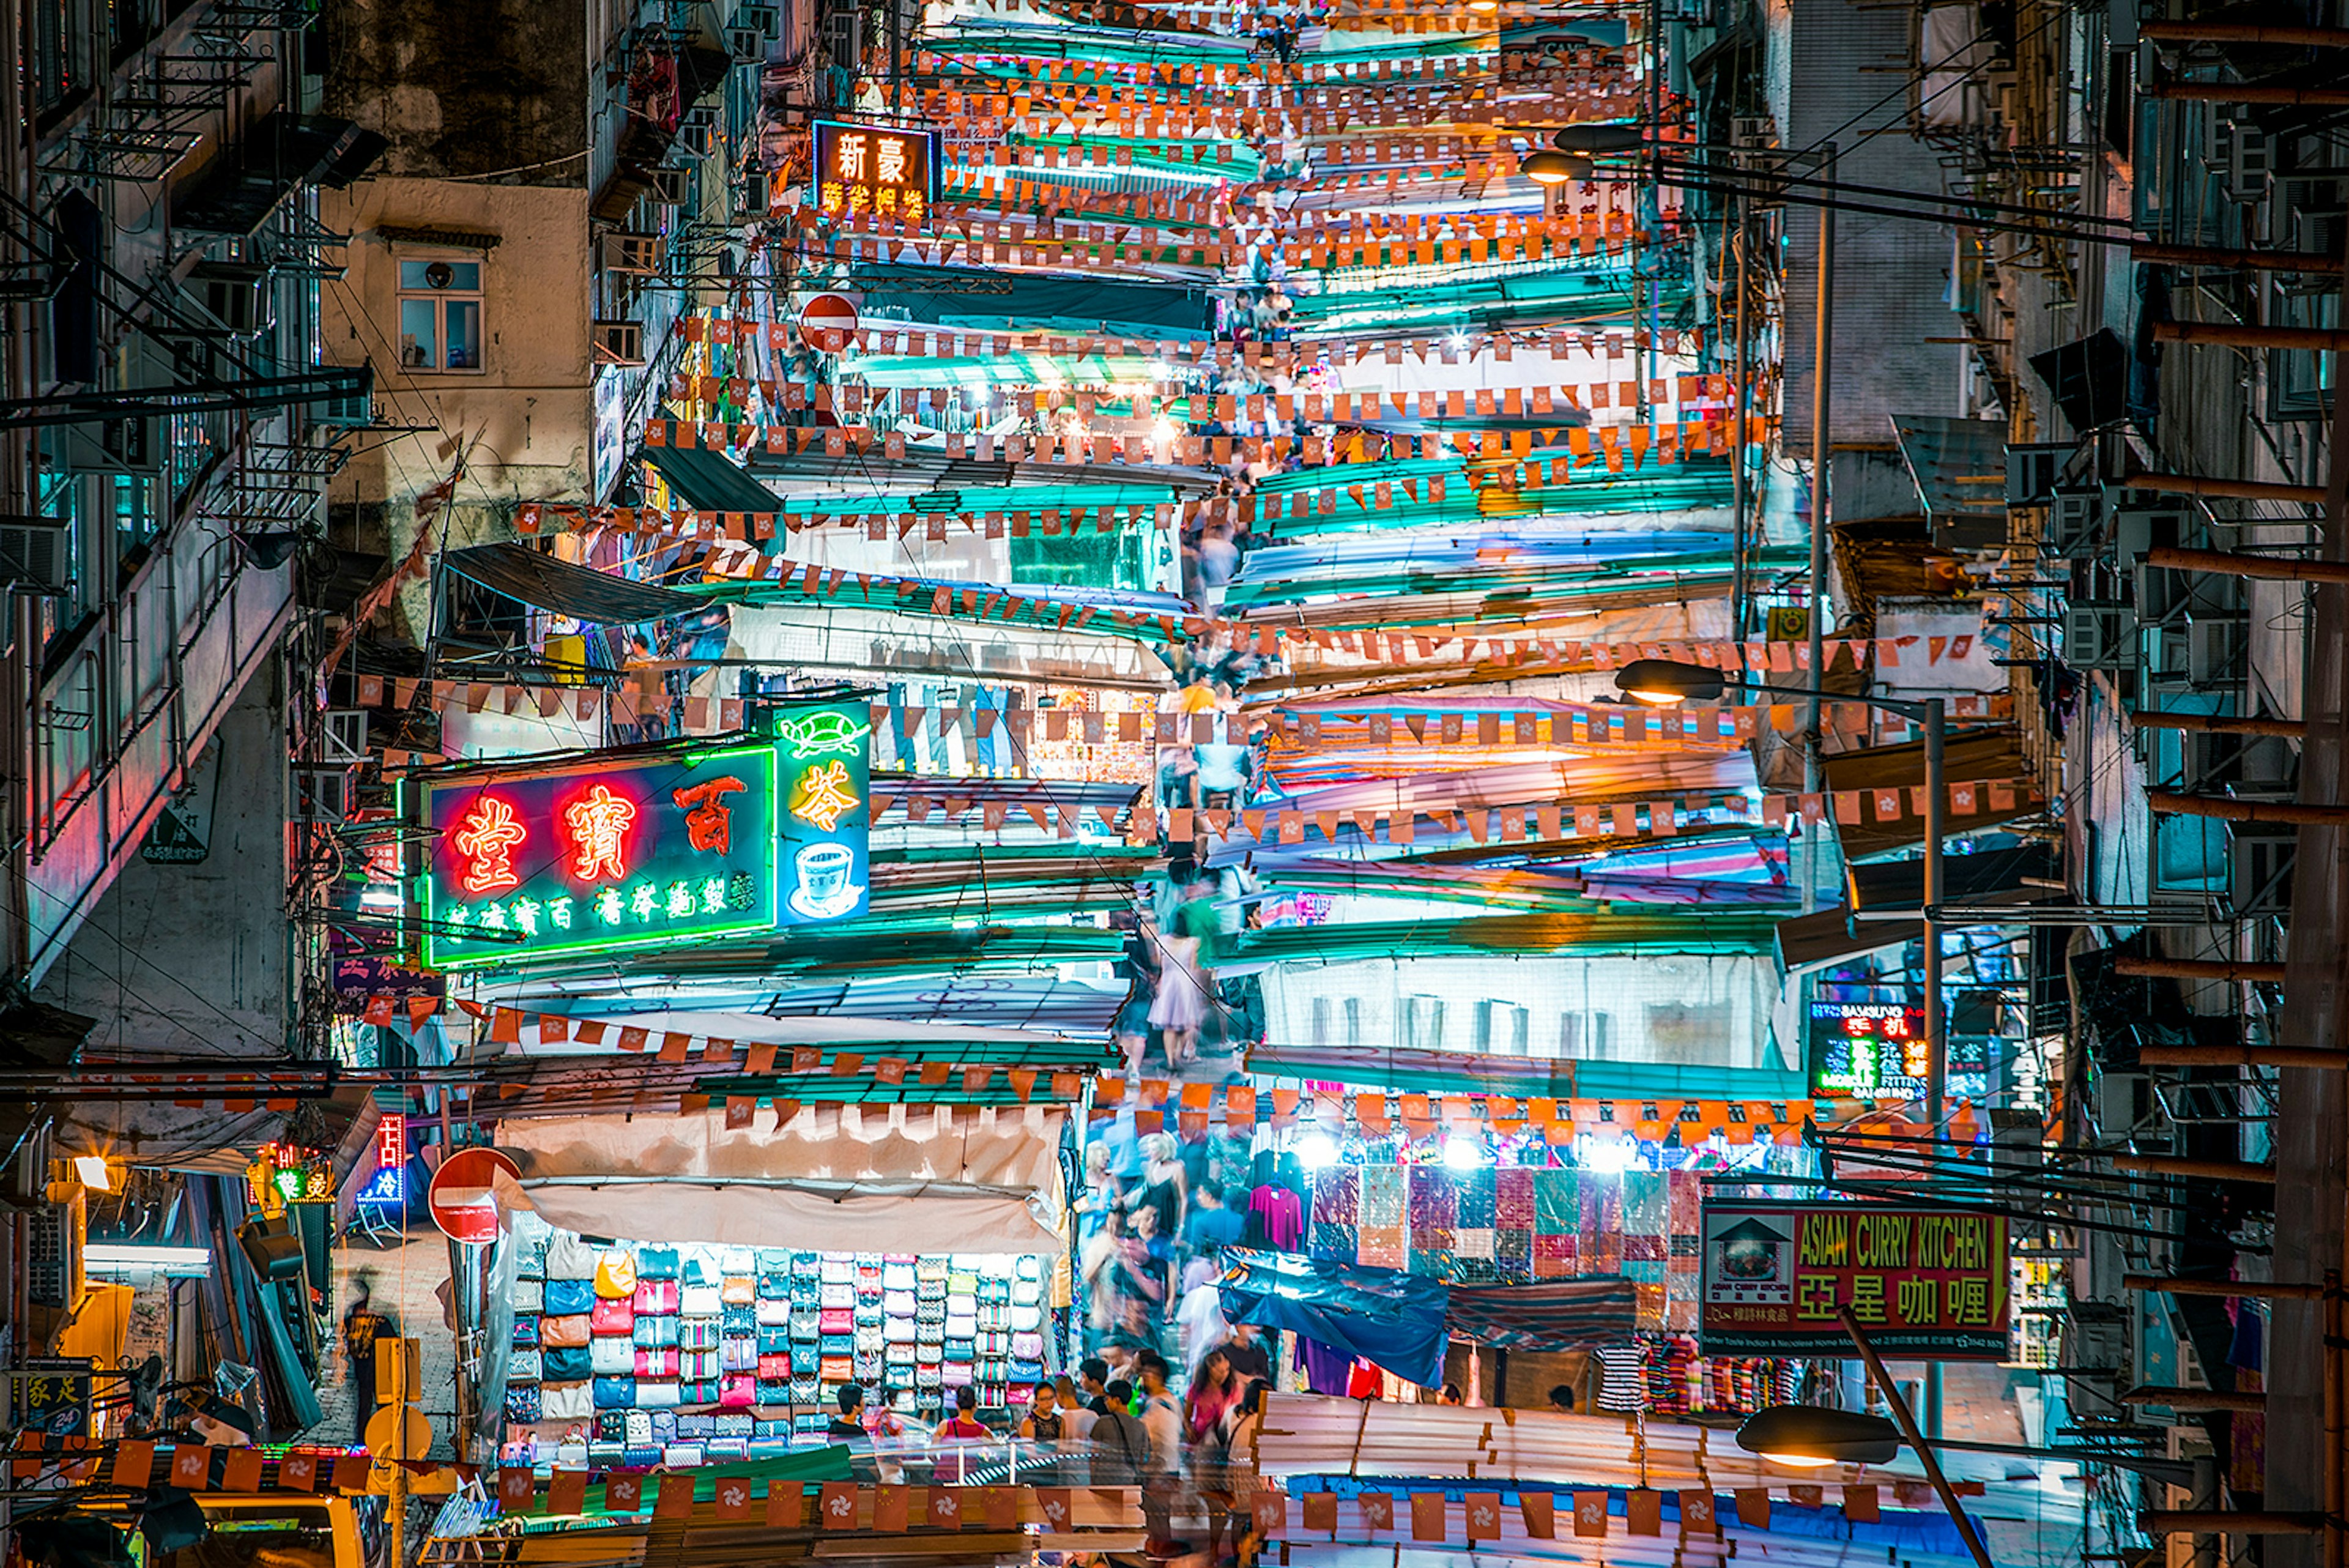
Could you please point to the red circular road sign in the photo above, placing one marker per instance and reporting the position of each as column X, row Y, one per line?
column 828, row 321
column 463, row 1204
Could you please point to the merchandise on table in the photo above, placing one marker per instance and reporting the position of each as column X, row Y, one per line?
column 634, row 1353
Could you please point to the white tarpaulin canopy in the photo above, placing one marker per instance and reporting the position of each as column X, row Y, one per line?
column 847, row 1178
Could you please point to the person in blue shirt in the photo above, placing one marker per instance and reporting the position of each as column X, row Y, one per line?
column 1212, row 1222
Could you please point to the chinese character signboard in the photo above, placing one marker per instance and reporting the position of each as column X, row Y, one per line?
column 885, row 170
column 1867, row 1050
column 649, row 850
column 1924, row 1282
column 52, row 1394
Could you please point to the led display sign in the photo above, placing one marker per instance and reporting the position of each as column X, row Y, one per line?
column 683, row 844
column 1876, row 1051
column 886, row 171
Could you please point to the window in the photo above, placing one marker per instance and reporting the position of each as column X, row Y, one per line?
column 440, row 315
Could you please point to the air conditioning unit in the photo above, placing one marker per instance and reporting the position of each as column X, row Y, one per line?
column 346, row 736
column 354, row 409
column 2137, row 529
column 2303, row 209
column 322, row 794
column 235, row 294
column 2073, row 520
column 2260, row 859
column 2215, row 648
column 37, row 551
column 2030, row 472
column 2260, row 766
column 2098, row 634
column 619, row 342
column 641, row 255
column 673, row 187
column 2249, row 159
column 697, row 133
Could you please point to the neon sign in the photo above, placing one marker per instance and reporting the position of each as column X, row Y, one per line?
column 488, row 838
column 599, row 822
column 691, row 843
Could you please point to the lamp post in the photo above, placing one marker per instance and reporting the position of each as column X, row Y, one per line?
column 1662, row 682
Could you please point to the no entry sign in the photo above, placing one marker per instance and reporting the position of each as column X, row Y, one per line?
column 828, row 322
column 464, row 1204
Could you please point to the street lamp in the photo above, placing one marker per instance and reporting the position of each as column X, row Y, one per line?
column 1662, row 682
column 1810, row 1436
column 1551, row 167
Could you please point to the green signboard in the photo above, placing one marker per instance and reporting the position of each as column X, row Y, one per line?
column 648, row 848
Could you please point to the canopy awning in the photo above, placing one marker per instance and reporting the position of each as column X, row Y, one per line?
column 1960, row 467
column 709, row 481
column 561, row 588
column 237, row 195
column 906, row 1179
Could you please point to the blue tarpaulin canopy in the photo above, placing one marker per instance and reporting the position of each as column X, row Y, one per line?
column 1392, row 1320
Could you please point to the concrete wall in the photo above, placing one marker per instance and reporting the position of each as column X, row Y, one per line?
column 176, row 958
column 465, row 87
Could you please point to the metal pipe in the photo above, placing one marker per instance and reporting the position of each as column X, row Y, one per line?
column 2180, row 1165
column 2317, row 1056
column 2216, row 725
column 2231, row 489
column 1937, row 1066
column 2187, row 1520
column 1916, row 1441
column 2261, row 1290
column 2245, row 92
column 2195, row 1398
column 2199, row 969
column 1822, row 411
column 1737, row 586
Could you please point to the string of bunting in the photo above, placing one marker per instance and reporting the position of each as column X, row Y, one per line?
column 1430, row 1516
column 1376, row 1114
column 1749, row 659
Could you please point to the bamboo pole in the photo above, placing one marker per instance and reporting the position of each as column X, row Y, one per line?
column 2221, row 1521
column 2243, row 32
column 2217, row 723
column 2263, row 1290
column 2198, row 968
column 2236, row 563
column 2245, row 335
column 2245, row 92
column 2179, row 1165
column 2170, row 803
column 1923, row 1449
column 2233, row 489
column 2195, row 1398
column 2315, row 1056
column 2212, row 255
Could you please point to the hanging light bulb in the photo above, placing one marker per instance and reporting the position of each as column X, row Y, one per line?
column 1550, row 167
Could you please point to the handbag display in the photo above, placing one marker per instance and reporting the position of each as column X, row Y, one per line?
column 806, row 1360
column 898, row 1354
column 658, row 1333
column 738, row 1356
column 738, row 1392
column 522, row 1402
column 524, row 1367
column 612, row 1357
column 656, row 1263
column 737, row 1261
column 564, row 1297
column 775, row 1314
column 773, row 1341
column 866, row 1365
column 835, row 1369
column 569, row 1258
column 837, row 1270
column 529, row 1296
column 774, row 1287
column 565, row 1401
column 869, row 1337
column 566, row 1364
column 616, row 1274
column 835, row 1319
column 530, row 1258
column 775, row 1366
column 656, row 1298
column 737, row 1289
column 798, row 1391
column 837, row 1298
column 665, row 1426
column 1027, row 1292
column 737, row 1319
column 677, row 1455
column 698, row 1365
column 612, row 1315
column 701, row 1392
column 899, row 1304
column 615, row 1393
column 655, row 1363
column 900, row 1330
column 701, row 1268
column 698, row 1334
column 805, row 1321
column 657, row 1396
column 638, row 1426
column 1027, row 1347
column 931, row 1292
column 570, row 1329
column 806, row 1289
column 1025, row 1319
column 836, row 1344
column 700, row 1300
column 525, row 1332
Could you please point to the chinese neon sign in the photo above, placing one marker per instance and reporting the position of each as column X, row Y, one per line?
column 688, row 844
column 1867, row 1050
column 885, row 170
